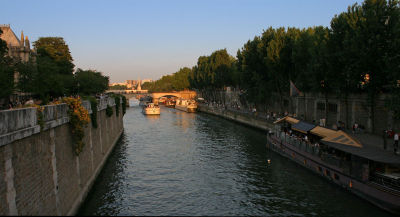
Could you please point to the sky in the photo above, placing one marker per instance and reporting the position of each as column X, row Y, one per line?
column 129, row 40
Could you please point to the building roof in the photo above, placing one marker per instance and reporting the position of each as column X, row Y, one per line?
column 9, row 36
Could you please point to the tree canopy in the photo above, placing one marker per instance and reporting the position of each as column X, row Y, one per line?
column 6, row 71
column 90, row 82
column 177, row 81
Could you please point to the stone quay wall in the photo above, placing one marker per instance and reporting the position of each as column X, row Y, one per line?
column 314, row 107
column 39, row 172
column 250, row 120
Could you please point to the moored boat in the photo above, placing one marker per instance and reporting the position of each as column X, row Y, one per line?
column 187, row 105
column 144, row 101
column 170, row 103
column 151, row 109
column 363, row 169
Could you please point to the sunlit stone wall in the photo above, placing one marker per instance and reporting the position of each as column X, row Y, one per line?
column 39, row 172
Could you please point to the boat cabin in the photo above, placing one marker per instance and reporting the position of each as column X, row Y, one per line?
column 340, row 151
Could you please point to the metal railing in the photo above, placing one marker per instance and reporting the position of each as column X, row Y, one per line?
column 386, row 181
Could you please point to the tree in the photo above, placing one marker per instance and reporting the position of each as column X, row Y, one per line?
column 90, row 82
column 58, row 50
column 118, row 87
column 6, row 71
column 52, row 76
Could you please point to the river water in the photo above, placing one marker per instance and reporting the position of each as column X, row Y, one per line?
column 196, row 164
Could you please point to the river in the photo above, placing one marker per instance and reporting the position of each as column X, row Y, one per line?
column 196, row 164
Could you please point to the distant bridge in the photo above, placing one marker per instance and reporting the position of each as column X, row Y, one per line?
column 186, row 94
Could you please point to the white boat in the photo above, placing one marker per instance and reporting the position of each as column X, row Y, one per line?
column 144, row 101
column 151, row 109
column 187, row 105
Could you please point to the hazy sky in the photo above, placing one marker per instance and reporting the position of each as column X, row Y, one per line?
column 129, row 39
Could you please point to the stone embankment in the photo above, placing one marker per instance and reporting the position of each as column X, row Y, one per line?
column 39, row 172
column 249, row 119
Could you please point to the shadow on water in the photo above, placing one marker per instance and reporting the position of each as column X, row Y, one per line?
column 198, row 164
column 106, row 186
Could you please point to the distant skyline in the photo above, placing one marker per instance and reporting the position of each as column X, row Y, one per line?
column 128, row 40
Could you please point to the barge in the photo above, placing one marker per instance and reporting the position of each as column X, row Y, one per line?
column 365, row 170
column 186, row 105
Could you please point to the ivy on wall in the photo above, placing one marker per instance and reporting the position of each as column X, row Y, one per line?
column 109, row 111
column 78, row 120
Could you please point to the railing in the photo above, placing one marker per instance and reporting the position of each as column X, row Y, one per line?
column 386, row 180
column 299, row 144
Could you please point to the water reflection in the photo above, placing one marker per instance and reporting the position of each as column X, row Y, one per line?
column 195, row 164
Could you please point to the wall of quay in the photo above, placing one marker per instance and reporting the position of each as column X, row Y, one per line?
column 39, row 172
column 250, row 120
column 314, row 107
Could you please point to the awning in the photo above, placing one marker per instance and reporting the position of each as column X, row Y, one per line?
column 323, row 132
column 343, row 138
column 287, row 119
column 303, row 127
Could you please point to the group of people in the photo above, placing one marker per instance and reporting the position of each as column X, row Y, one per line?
column 20, row 103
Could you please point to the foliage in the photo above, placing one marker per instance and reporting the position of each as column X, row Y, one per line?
column 124, row 104
column 51, row 75
column 93, row 105
column 90, row 82
column 117, row 87
column 177, row 81
column 58, row 51
column 39, row 114
column 117, row 100
column 79, row 118
column 214, row 71
column 359, row 53
column 6, row 71
column 109, row 111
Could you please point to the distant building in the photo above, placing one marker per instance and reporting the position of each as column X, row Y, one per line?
column 130, row 84
column 17, row 48
column 133, row 84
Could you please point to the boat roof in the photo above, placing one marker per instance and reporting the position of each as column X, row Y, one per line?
column 340, row 140
column 371, row 153
column 303, row 127
column 288, row 119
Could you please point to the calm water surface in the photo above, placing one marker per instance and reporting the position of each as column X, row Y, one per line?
column 196, row 164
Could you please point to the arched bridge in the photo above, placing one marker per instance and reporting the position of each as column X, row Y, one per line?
column 186, row 94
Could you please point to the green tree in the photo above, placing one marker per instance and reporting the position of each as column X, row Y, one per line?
column 6, row 72
column 90, row 82
column 58, row 50
column 117, row 87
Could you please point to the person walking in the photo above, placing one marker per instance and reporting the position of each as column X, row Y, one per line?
column 396, row 142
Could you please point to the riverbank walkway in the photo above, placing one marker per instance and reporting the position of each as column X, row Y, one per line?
column 372, row 142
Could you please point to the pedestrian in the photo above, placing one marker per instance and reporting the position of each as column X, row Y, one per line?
column 356, row 127
column 396, row 142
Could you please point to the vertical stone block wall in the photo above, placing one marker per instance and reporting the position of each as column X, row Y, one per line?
column 313, row 107
column 39, row 172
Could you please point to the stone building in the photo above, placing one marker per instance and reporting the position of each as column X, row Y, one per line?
column 17, row 48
